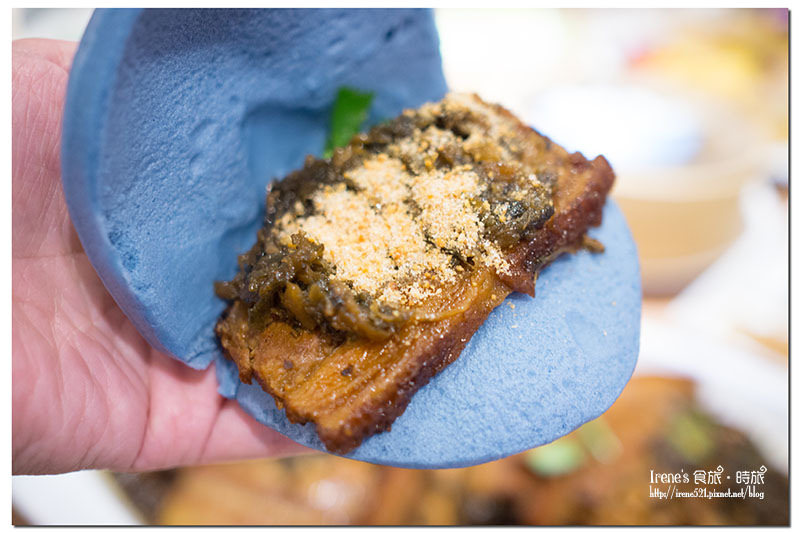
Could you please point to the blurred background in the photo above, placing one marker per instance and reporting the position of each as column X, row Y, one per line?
column 691, row 109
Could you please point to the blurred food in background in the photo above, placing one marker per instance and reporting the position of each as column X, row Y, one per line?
column 599, row 474
column 741, row 57
column 734, row 68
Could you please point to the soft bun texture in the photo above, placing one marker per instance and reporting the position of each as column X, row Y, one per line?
column 176, row 120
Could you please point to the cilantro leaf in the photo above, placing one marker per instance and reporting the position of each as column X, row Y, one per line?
column 349, row 113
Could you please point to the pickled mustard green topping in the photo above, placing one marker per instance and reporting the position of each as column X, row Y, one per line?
column 289, row 275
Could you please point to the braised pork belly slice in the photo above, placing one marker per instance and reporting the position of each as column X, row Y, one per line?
column 376, row 266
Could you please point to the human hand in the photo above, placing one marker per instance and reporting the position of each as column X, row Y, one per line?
column 87, row 389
